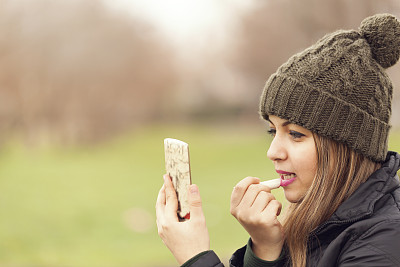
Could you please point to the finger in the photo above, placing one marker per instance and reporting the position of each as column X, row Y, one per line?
column 161, row 196
column 171, row 201
column 196, row 210
column 160, row 203
column 240, row 189
column 251, row 194
column 273, row 208
column 262, row 200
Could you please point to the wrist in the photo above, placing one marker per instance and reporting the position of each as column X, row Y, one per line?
column 266, row 252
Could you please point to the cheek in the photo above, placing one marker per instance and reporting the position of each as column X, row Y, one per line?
column 312, row 163
column 307, row 164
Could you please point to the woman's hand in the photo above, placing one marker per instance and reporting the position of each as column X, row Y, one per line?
column 184, row 239
column 253, row 205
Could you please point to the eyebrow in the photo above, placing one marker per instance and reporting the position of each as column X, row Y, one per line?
column 286, row 123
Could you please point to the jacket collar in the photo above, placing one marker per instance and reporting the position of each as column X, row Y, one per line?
column 361, row 203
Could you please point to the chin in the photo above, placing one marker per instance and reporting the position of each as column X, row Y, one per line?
column 292, row 196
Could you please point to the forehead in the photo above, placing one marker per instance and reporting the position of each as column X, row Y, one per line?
column 278, row 121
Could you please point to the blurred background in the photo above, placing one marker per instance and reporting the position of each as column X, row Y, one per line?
column 89, row 90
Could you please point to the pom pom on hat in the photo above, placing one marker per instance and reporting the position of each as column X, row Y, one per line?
column 382, row 32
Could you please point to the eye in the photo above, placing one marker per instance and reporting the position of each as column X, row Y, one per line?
column 296, row 135
column 272, row 132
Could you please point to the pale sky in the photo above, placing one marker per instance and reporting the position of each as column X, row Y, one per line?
column 184, row 19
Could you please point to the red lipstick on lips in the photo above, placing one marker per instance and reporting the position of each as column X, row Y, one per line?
column 286, row 182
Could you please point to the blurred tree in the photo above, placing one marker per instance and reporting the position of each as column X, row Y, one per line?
column 76, row 71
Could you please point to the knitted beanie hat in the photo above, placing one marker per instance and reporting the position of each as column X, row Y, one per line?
column 338, row 87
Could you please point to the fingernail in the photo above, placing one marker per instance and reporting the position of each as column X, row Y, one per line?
column 194, row 190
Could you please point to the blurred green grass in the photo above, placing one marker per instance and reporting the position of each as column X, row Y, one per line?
column 94, row 206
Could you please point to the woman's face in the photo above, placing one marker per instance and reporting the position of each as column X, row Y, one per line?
column 294, row 155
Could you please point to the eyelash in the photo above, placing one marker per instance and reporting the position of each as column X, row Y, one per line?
column 294, row 134
column 272, row 132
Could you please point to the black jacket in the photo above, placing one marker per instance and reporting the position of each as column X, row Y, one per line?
column 364, row 231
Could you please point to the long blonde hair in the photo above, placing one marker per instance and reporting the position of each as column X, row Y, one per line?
column 340, row 172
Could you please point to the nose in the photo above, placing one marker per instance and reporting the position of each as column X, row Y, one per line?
column 277, row 150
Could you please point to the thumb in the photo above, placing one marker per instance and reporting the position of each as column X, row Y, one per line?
column 195, row 202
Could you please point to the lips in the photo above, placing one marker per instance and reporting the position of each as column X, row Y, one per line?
column 286, row 177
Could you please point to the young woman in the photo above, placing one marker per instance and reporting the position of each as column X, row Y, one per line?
column 328, row 109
